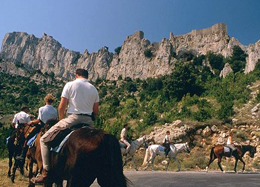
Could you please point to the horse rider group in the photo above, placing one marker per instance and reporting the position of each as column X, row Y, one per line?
column 82, row 100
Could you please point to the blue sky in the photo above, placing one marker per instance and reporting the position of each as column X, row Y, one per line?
column 85, row 24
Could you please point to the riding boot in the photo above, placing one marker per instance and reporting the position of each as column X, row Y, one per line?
column 40, row 179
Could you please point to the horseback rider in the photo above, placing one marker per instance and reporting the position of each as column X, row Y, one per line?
column 22, row 117
column 166, row 143
column 123, row 138
column 83, row 100
column 45, row 113
column 230, row 142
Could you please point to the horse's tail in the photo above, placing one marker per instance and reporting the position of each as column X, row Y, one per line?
column 146, row 156
column 212, row 154
column 113, row 165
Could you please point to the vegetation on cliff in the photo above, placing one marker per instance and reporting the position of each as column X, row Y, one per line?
column 193, row 91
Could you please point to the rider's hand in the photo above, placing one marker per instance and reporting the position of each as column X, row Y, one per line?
column 30, row 123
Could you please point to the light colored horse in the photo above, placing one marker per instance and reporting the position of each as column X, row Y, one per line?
column 134, row 146
column 153, row 150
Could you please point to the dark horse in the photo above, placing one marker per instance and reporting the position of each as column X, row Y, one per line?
column 14, row 147
column 218, row 152
column 88, row 154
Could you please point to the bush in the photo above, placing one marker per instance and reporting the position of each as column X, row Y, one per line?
column 117, row 50
column 148, row 53
column 216, row 61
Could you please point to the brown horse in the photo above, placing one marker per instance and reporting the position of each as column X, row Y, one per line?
column 218, row 152
column 88, row 154
column 34, row 156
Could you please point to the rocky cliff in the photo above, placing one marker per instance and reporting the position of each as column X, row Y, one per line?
column 22, row 51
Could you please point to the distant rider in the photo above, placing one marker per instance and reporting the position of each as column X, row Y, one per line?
column 22, row 117
column 166, row 143
column 124, row 138
column 230, row 142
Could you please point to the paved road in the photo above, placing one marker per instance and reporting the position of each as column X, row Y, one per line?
column 191, row 179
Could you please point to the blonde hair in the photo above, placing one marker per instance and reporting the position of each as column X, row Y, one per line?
column 49, row 98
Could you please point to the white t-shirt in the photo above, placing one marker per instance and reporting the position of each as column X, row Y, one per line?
column 81, row 96
column 167, row 139
column 21, row 117
column 123, row 134
column 47, row 112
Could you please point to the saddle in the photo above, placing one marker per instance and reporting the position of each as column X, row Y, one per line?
column 63, row 135
column 228, row 150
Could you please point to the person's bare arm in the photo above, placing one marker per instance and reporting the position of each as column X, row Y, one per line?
column 95, row 109
column 34, row 122
column 62, row 107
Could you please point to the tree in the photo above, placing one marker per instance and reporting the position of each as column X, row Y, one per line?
column 238, row 59
column 117, row 50
column 183, row 80
column 216, row 61
column 148, row 53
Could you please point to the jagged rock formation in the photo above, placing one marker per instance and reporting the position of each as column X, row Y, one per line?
column 226, row 70
column 22, row 51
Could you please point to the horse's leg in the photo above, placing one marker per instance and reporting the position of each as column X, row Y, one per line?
column 244, row 164
column 10, row 162
column 152, row 161
column 178, row 162
column 167, row 165
column 13, row 171
column 235, row 168
column 126, row 159
column 219, row 163
column 211, row 159
column 133, row 161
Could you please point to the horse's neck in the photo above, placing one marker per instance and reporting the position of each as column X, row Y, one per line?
column 179, row 147
column 138, row 142
column 245, row 149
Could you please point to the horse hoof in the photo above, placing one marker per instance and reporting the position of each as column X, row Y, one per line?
column 207, row 169
column 223, row 171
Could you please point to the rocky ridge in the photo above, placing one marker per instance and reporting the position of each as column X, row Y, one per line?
column 22, row 51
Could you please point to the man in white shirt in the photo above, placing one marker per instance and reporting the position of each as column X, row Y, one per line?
column 22, row 117
column 82, row 99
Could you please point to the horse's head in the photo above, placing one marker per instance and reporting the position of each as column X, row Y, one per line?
column 20, row 133
column 144, row 141
column 187, row 148
column 252, row 151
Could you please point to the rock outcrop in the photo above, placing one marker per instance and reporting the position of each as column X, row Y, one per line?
column 226, row 70
column 22, row 51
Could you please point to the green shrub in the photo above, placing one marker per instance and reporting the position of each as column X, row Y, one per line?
column 117, row 50
column 148, row 53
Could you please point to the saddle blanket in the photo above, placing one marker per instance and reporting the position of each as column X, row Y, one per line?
column 58, row 148
column 226, row 149
column 7, row 139
column 30, row 143
column 161, row 148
